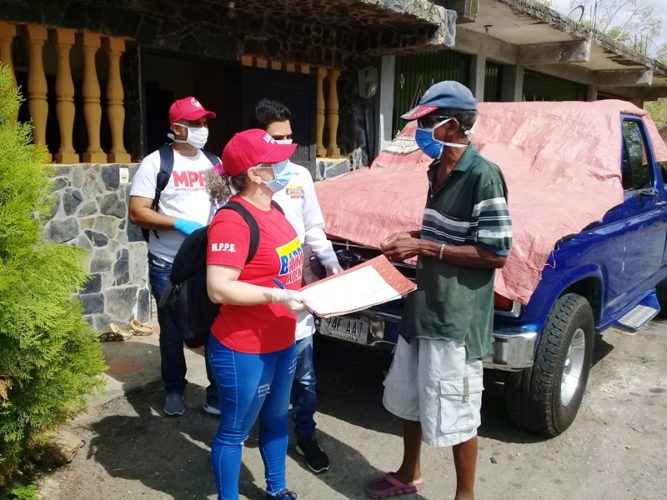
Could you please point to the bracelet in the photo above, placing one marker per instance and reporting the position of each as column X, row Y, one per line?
column 442, row 251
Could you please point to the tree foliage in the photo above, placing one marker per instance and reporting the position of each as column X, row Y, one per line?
column 49, row 357
column 630, row 22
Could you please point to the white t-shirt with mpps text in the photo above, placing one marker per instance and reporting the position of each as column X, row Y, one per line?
column 185, row 197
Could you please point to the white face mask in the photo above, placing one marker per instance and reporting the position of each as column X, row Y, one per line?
column 197, row 136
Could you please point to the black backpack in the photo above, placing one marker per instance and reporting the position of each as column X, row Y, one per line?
column 185, row 297
column 166, row 166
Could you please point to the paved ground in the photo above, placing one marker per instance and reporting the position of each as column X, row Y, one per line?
column 616, row 449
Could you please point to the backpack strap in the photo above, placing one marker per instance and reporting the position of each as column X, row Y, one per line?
column 163, row 175
column 213, row 158
column 166, row 166
column 252, row 224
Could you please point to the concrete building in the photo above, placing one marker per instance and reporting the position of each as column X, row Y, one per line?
column 98, row 78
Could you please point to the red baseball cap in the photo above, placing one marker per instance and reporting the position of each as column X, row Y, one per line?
column 250, row 148
column 189, row 109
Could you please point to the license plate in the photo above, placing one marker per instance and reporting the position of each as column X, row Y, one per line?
column 350, row 328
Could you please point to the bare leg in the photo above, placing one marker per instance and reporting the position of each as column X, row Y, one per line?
column 410, row 470
column 465, row 461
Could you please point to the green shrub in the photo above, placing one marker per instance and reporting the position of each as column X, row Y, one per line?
column 49, row 357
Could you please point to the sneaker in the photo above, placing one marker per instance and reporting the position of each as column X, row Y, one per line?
column 282, row 495
column 211, row 408
column 173, row 404
column 316, row 459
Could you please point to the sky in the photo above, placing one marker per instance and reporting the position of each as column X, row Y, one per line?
column 659, row 10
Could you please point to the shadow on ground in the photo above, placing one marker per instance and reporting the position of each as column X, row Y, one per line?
column 134, row 441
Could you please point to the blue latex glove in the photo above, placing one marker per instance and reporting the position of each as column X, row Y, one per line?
column 186, row 226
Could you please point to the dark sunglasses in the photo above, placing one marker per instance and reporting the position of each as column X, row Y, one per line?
column 430, row 121
column 281, row 137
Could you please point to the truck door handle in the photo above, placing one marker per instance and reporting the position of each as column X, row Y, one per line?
column 648, row 192
column 661, row 203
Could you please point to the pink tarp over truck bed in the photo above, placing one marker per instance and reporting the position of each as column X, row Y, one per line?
column 561, row 162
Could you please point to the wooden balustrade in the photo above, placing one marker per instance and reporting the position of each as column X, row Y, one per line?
column 326, row 109
column 92, row 109
column 37, row 87
column 320, row 108
column 115, row 110
column 7, row 35
column 63, row 40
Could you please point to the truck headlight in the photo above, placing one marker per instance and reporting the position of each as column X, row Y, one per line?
column 376, row 327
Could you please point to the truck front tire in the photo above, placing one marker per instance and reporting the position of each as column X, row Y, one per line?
column 545, row 398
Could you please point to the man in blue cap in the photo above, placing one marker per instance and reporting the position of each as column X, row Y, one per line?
column 435, row 381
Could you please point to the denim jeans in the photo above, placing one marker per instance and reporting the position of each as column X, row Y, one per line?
column 304, row 395
column 171, row 342
column 250, row 386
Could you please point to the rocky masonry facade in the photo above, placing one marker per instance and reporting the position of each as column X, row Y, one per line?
column 90, row 211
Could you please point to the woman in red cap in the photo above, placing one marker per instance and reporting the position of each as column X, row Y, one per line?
column 251, row 349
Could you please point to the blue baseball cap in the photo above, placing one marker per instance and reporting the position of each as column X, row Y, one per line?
column 447, row 94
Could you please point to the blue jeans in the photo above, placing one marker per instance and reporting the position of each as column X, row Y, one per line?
column 171, row 342
column 304, row 394
column 250, row 385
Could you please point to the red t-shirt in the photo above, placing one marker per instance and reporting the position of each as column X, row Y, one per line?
column 266, row 327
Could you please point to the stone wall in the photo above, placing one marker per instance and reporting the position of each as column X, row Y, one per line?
column 90, row 211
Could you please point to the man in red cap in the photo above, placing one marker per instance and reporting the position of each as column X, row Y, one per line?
column 182, row 206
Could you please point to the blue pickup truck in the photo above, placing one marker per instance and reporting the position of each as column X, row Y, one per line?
column 613, row 273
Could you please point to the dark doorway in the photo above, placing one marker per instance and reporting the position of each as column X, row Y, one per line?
column 167, row 77
column 297, row 91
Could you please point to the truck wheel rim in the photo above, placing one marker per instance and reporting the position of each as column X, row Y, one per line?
column 574, row 364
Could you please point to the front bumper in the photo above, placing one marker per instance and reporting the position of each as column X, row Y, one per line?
column 511, row 350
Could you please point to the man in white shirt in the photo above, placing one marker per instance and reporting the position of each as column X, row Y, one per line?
column 184, row 206
column 299, row 202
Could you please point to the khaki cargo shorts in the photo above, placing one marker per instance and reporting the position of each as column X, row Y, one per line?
column 431, row 381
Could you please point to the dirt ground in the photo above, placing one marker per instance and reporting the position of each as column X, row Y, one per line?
column 616, row 449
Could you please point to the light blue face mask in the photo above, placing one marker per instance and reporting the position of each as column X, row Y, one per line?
column 282, row 173
column 430, row 145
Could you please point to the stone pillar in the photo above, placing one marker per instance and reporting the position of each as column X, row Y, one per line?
column 63, row 39
column 319, row 113
column 92, row 110
column 7, row 34
column 478, row 76
column 386, row 121
column 37, row 87
column 592, row 93
column 512, row 90
column 332, row 113
column 114, row 48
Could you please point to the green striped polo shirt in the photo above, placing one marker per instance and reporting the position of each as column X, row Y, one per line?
column 451, row 301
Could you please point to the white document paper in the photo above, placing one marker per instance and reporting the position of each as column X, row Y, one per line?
column 369, row 284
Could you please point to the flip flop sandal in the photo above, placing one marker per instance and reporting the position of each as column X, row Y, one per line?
column 111, row 337
column 123, row 331
column 139, row 328
column 389, row 486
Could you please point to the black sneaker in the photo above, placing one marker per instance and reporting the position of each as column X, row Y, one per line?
column 282, row 495
column 316, row 459
column 173, row 404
